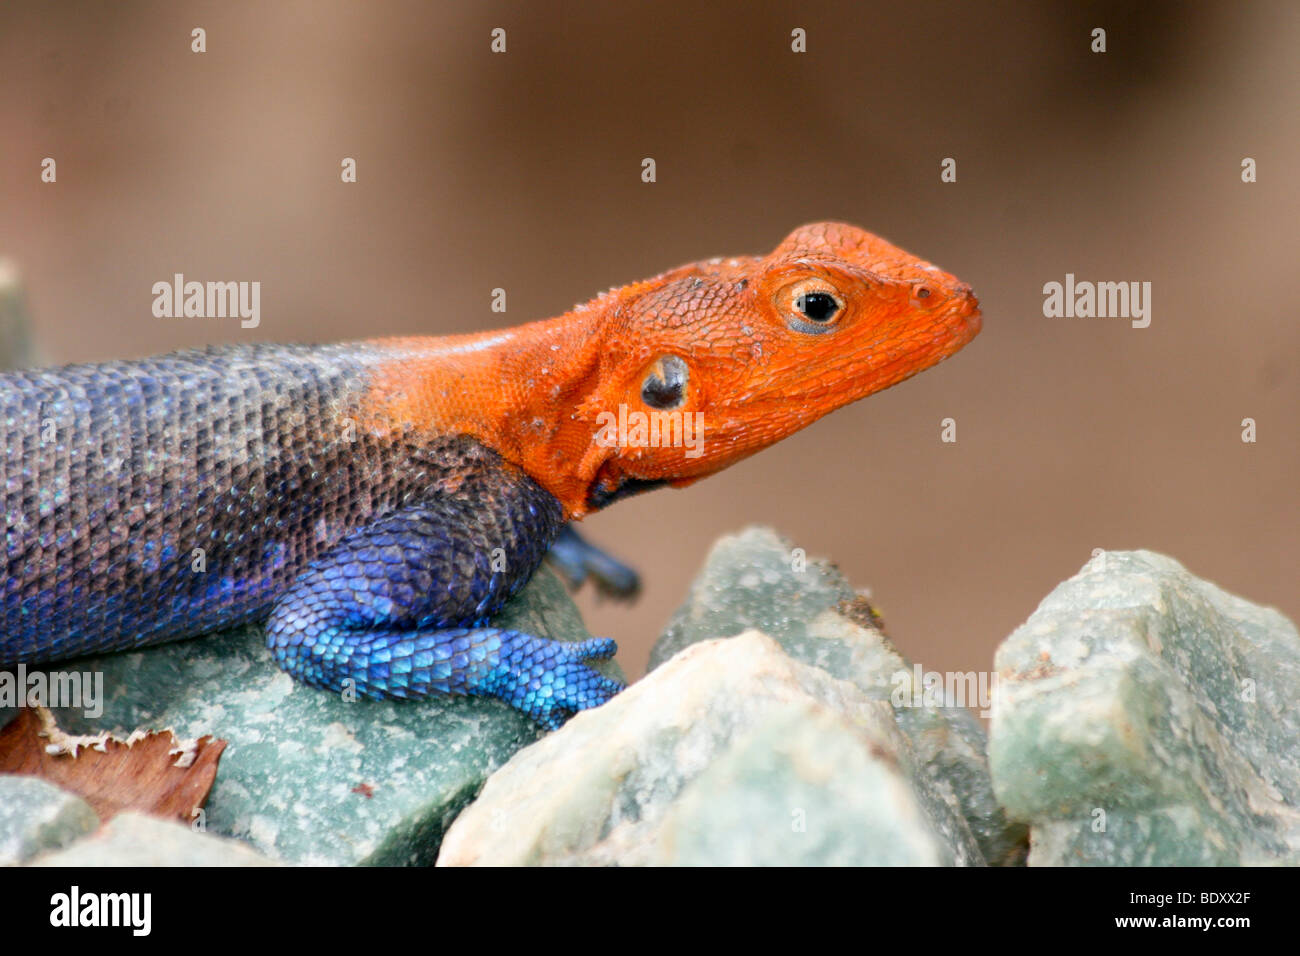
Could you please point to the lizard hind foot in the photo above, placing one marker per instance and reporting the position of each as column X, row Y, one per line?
column 399, row 608
column 550, row 680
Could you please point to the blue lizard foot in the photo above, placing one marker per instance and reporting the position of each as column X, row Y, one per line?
column 547, row 680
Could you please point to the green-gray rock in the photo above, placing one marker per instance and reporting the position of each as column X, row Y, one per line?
column 731, row 753
column 135, row 839
column 806, row 788
column 757, row 579
column 36, row 816
column 1146, row 717
column 309, row 777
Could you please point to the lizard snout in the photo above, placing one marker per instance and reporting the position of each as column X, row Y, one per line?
column 964, row 299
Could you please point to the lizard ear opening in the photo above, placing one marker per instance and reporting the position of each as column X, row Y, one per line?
column 664, row 386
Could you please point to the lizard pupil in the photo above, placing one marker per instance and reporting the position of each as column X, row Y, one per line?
column 818, row 306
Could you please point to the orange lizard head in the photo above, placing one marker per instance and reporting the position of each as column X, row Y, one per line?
column 711, row 362
column 671, row 379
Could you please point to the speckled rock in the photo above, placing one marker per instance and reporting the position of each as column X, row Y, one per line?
column 135, row 839
column 731, row 753
column 1144, row 716
column 309, row 777
column 757, row 579
column 808, row 787
column 36, row 816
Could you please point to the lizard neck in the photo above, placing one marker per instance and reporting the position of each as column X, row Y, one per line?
column 524, row 392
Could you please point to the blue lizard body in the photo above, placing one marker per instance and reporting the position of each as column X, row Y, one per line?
column 174, row 496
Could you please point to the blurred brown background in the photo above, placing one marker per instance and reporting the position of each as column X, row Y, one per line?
column 522, row 171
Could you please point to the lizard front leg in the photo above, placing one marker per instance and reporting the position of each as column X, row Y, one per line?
column 578, row 560
column 400, row 607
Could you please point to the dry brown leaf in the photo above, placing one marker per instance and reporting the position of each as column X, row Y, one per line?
column 140, row 775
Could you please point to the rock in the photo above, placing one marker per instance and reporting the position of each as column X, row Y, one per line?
column 36, row 816
column 308, row 777
column 731, row 753
column 1146, row 717
column 136, row 839
column 808, row 788
column 757, row 579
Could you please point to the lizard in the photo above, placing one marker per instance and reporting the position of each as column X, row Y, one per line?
column 375, row 503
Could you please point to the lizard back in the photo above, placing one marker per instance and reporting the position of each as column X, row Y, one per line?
column 163, row 498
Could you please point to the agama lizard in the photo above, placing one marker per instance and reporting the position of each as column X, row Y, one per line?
column 376, row 502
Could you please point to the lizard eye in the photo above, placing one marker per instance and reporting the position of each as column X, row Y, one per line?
column 665, row 384
column 818, row 306
column 811, row 306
